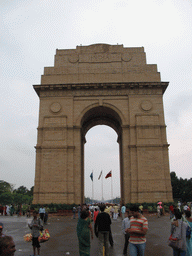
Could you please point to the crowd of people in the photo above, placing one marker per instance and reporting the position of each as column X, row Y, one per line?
column 134, row 228
column 98, row 219
column 19, row 210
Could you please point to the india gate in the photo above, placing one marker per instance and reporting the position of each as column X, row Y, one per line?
column 101, row 84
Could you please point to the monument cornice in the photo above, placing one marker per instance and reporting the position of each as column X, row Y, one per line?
column 149, row 145
column 104, row 86
column 54, row 147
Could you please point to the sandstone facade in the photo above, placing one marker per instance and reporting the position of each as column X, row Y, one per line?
column 101, row 84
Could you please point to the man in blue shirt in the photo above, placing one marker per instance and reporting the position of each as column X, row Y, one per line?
column 123, row 210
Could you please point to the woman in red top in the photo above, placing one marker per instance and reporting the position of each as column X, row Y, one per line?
column 95, row 214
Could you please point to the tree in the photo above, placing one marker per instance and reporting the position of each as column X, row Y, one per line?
column 17, row 198
column 30, row 192
column 27, row 199
column 182, row 188
column 5, row 187
column 6, row 198
column 21, row 190
column 175, row 186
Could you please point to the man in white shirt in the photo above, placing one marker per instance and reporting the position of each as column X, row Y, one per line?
column 42, row 212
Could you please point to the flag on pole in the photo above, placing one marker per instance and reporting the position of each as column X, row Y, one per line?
column 100, row 175
column 91, row 176
column 109, row 174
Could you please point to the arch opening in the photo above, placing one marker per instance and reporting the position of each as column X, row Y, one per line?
column 101, row 115
column 98, row 121
column 101, row 157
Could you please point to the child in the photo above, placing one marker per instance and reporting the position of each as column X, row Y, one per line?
column 35, row 226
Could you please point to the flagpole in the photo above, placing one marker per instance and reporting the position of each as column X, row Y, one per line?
column 102, row 187
column 111, row 187
column 92, row 190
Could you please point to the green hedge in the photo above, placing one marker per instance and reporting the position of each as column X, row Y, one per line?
column 151, row 207
column 54, row 207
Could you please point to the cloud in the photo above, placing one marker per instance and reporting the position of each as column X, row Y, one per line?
column 31, row 32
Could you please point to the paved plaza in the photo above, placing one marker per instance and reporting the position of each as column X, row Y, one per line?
column 64, row 241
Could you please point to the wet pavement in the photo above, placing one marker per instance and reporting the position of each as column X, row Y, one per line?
column 64, row 241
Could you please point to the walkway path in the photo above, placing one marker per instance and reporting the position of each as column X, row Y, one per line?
column 64, row 241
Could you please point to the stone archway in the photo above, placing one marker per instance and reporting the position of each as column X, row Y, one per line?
column 101, row 84
column 102, row 115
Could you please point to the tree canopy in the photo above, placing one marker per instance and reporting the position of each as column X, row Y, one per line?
column 20, row 195
column 182, row 188
column 5, row 187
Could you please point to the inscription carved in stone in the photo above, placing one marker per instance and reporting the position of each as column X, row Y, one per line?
column 100, row 57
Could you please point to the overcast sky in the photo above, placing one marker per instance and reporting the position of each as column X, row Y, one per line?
column 30, row 32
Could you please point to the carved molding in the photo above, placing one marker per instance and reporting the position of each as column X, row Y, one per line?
column 55, row 107
column 146, row 105
column 55, row 147
column 149, row 146
column 102, row 88
column 96, row 92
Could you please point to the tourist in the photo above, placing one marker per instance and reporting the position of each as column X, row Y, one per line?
column 107, row 210
column 79, row 210
column 46, row 214
column 178, row 232
column 189, row 239
column 91, row 209
column 7, row 246
column 83, row 233
column 116, row 211
column 179, row 205
column 36, row 225
column 74, row 212
column 18, row 212
column 163, row 209
column 141, row 208
column 90, row 215
column 42, row 212
column 138, row 229
column 102, row 229
column 158, row 211
column 171, row 211
column 185, row 207
column 96, row 212
column 8, row 210
column 28, row 211
column 112, row 211
column 5, row 210
column 126, row 225
column 12, row 210
column 123, row 210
